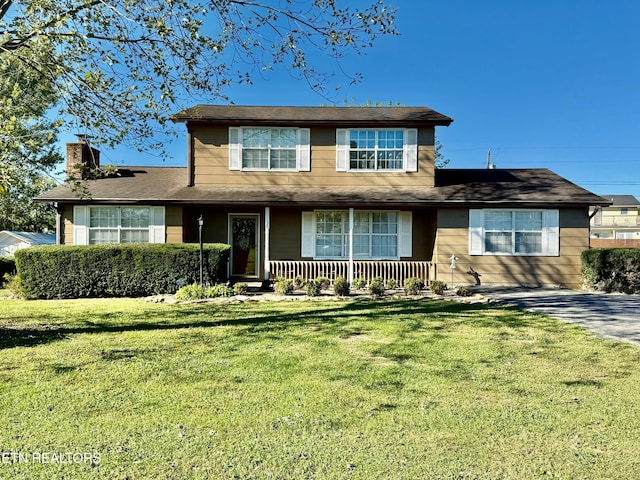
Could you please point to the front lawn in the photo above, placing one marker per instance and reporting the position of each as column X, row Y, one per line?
column 289, row 389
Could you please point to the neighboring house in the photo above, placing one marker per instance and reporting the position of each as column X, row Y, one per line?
column 12, row 241
column 616, row 225
column 332, row 191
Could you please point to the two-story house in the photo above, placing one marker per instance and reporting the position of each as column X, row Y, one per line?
column 616, row 225
column 333, row 191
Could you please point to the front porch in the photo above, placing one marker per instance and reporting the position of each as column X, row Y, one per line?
column 365, row 269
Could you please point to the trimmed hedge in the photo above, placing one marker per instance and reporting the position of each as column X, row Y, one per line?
column 126, row 270
column 612, row 269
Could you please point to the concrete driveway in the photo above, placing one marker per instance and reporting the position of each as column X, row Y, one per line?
column 615, row 316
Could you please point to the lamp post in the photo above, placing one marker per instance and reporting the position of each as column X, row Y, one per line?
column 200, row 223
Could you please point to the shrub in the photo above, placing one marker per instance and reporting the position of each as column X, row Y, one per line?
column 14, row 285
column 324, row 282
column 298, row 282
column 464, row 292
column 240, row 288
column 190, row 292
column 7, row 269
column 359, row 283
column 127, row 270
column 413, row 285
column 392, row 284
column 612, row 269
column 313, row 288
column 376, row 287
column 220, row 290
column 283, row 286
column 438, row 287
column 341, row 287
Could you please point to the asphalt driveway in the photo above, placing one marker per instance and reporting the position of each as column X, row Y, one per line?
column 615, row 316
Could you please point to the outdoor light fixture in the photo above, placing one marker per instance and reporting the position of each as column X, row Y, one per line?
column 200, row 223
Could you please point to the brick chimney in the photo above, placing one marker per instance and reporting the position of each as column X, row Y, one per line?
column 81, row 157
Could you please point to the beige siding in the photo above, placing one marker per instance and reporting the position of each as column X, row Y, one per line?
column 453, row 239
column 211, row 152
column 66, row 223
column 173, row 220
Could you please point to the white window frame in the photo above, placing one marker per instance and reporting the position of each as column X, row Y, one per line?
column 303, row 150
column 550, row 233
column 309, row 235
column 409, row 155
column 81, row 223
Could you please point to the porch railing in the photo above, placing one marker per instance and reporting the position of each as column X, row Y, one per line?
column 365, row 269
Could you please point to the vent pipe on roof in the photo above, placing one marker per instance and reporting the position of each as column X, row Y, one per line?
column 490, row 166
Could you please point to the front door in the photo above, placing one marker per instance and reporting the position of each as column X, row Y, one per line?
column 244, row 239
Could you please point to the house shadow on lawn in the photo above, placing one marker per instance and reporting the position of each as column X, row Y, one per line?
column 421, row 314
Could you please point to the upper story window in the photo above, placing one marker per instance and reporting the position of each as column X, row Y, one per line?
column 513, row 232
column 372, row 150
column 376, row 149
column 261, row 148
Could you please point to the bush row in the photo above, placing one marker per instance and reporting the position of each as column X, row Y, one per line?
column 612, row 269
column 126, row 270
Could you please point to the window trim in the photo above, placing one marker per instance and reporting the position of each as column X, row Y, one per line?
column 550, row 233
column 81, row 223
column 303, row 150
column 409, row 156
column 403, row 235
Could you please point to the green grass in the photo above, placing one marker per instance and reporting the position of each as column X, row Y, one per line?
column 320, row 389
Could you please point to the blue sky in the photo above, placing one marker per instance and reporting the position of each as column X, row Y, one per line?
column 544, row 84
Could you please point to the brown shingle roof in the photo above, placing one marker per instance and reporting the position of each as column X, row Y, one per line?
column 469, row 187
column 392, row 116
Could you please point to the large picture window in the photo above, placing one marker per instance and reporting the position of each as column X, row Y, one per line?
column 104, row 224
column 513, row 232
column 263, row 148
column 118, row 225
column 376, row 234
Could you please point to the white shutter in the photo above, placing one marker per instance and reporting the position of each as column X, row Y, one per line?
column 157, row 226
column 308, row 236
column 411, row 149
column 405, row 231
column 80, row 225
column 476, row 236
column 304, row 150
column 342, row 150
column 235, row 148
column 551, row 232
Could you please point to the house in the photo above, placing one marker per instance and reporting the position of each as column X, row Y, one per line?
column 330, row 191
column 616, row 225
column 11, row 241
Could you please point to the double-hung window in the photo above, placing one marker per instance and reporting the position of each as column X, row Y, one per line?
column 376, row 234
column 263, row 148
column 513, row 232
column 373, row 150
column 119, row 225
column 110, row 224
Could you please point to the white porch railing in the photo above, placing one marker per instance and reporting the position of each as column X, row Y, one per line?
column 369, row 269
